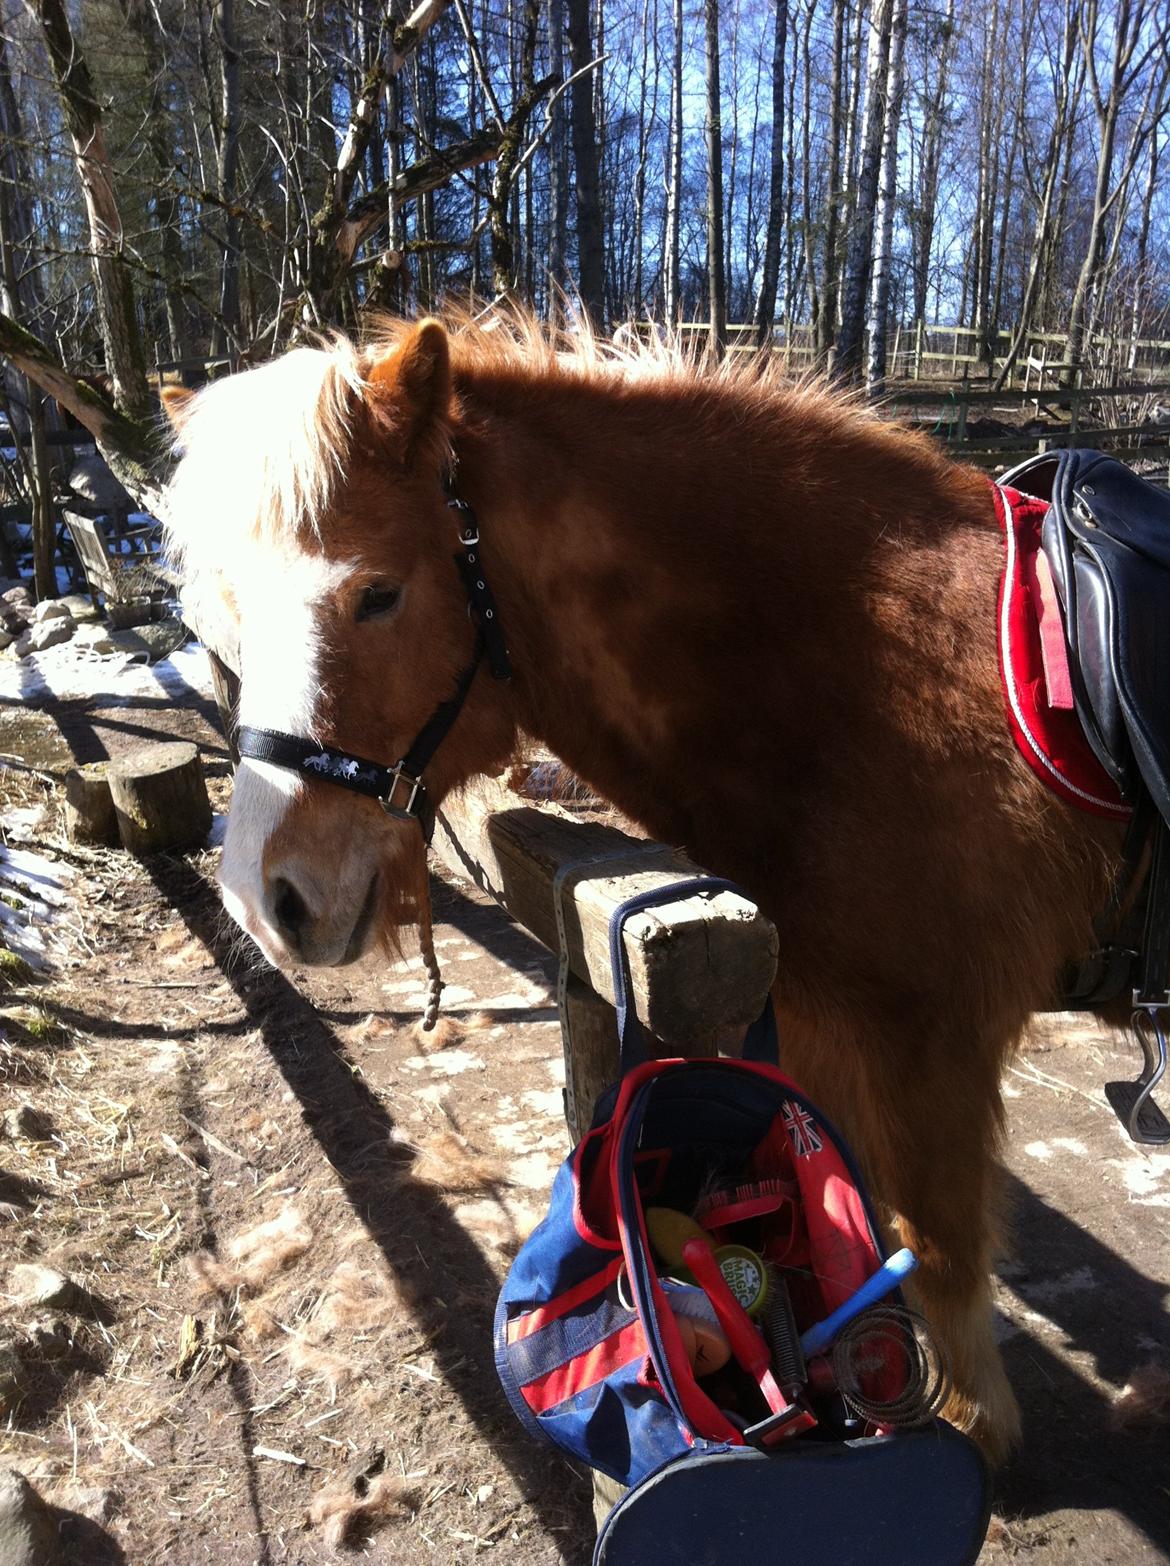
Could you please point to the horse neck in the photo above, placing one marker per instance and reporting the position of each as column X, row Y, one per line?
column 670, row 562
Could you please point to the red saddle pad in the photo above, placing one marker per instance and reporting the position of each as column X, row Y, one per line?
column 1034, row 667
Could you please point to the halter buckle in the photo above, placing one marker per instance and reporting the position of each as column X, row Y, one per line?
column 416, row 787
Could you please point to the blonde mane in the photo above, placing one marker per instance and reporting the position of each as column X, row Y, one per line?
column 263, row 450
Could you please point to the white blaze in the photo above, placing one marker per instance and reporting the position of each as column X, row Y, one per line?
column 280, row 600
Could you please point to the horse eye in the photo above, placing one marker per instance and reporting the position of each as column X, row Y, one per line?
column 377, row 600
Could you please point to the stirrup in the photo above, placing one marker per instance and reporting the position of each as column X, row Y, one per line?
column 1133, row 1102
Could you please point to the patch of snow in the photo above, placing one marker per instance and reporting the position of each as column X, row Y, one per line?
column 1080, row 1281
column 71, row 671
column 446, row 1063
column 1069, row 1144
column 1002, row 1326
column 1039, row 1150
column 534, row 1171
column 511, row 1000
column 550, row 1104
column 34, row 892
column 1147, row 1178
column 22, row 825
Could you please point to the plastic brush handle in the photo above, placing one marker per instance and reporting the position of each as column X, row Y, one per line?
column 888, row 1276
column 747, row 1345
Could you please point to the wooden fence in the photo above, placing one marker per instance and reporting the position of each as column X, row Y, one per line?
column 926, row 350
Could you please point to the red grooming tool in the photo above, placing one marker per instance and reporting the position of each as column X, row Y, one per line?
column 721, row 1209
column 747, row 1345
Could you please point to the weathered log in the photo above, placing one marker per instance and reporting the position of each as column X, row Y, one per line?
column 160, row 798
column 697, row 965
column 89, row 806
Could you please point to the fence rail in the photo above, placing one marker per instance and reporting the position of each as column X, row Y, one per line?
column 922, row 344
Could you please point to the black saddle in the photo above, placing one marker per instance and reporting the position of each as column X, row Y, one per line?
column 1107, row 540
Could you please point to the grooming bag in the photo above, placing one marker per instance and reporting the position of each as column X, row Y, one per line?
column 590, row 1350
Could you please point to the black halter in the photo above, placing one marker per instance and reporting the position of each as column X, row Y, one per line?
column 371, row 778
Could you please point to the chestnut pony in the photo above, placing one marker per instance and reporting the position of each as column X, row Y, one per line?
column 755, row 617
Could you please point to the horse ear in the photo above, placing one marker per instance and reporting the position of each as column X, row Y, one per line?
column 416, row 381
column 176, row 401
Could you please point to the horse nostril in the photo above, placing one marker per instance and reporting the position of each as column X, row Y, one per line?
column 289, row 909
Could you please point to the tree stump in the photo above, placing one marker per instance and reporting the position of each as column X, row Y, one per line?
column 160, row 798
column 89, row 807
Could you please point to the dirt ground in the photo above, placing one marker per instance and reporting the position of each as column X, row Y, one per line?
column 290, row 1212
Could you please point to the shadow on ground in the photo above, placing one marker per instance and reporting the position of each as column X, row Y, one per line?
column 1072, row 1455
column 354, row 1132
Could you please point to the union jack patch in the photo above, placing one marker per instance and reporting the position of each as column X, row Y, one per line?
column 803, row 1131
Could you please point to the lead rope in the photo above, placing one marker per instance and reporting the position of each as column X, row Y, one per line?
column 426, row 945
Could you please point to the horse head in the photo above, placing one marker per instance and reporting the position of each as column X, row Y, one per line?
column 309, row 518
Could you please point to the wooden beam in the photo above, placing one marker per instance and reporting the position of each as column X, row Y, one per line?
column 696, row 965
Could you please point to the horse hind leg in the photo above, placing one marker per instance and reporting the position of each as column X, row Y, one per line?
column 945, row 1192
column 925, row 1124
column 952, row 1288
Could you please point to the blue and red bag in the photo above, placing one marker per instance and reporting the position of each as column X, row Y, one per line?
column 591, row 1356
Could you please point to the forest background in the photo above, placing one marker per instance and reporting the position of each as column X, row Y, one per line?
column 184, row 181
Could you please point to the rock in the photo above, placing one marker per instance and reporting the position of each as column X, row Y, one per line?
column 93, row 637
column 50, row 609
column 157, row 640
column 48, row 633
column 16, row 595
column 15, row 617
column 28, row 1528
column 91, row 1501
column 80, row 607
column 24, row 1120
column 7, row 637
column 34, row 1284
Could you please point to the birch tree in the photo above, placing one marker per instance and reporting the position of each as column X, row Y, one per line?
column 590, row 249
column 112, row 279
column 1128, row 60
column 716, row 282
column 887, row 195
column 770, row 277
column 674, row 173
column 847, row 363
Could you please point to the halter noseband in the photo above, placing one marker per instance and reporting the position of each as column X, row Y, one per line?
column 371, row 778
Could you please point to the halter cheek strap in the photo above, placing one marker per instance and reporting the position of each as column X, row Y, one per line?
column 400, row 789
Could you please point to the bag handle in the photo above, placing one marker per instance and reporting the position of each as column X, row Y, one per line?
column 761, row 1042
